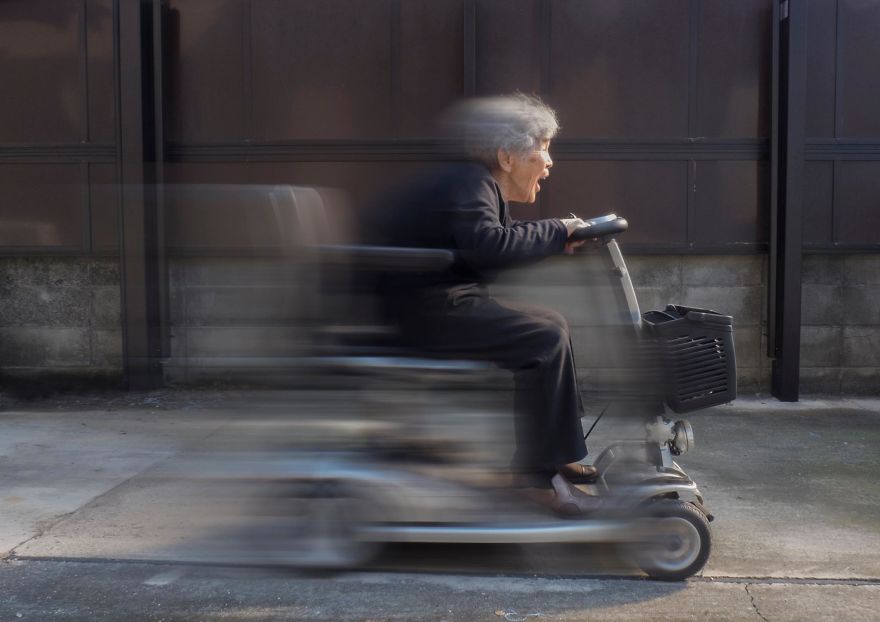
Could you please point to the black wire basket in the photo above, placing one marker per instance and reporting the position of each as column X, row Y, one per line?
column 696, row 352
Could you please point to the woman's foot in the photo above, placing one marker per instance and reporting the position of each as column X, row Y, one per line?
column 564, row 498
column 571, row 501
column 578, row 473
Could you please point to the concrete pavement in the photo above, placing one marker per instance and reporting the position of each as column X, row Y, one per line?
column 793, row 487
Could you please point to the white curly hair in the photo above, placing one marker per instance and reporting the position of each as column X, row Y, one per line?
column 517, row 123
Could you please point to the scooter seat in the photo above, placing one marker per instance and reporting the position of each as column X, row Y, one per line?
column 378, row 348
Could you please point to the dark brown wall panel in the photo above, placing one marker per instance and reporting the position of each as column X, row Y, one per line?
column 220, row 216
column 363, row 183
column 356, row 70
column 430, row 62
column 859, row 74
column 857, row 203
column 620, row 69
column 104, row 206
column 213, row 216
column 821, row 71
column 733, row 72
column 321, row 69
column 205, row 70
column 42, row 206
column 207, row 173
column 651, row 195
column 39, row 71
column 818, row 199
column 508, row 46
column 99, row 16
column 731, row 203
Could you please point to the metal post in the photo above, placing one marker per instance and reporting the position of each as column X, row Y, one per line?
column 470, row 48
column 787, row 161
column 138, row 222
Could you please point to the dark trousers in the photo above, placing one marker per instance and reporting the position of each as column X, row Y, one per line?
column 532, row 342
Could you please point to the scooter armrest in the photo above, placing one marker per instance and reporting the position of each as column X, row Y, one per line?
column 390, row 258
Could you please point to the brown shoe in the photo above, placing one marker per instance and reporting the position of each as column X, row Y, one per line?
column 571, row 501
column 578, row 473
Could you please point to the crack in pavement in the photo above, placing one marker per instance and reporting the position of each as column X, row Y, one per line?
column 754, row 604
column 43, row 527
column 851, row 581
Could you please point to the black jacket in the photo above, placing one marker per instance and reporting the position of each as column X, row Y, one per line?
column 460, row 208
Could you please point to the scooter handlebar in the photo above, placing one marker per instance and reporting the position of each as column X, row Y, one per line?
column 601, row 227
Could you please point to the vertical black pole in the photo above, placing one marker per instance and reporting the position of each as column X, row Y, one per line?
column 159, row 16
column 470, row 48
column 787, row 183
column 138, row 223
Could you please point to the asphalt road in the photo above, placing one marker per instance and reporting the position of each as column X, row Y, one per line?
column 66, row 590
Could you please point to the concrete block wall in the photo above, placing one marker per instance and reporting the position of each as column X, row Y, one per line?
column 60, row 315
column 733, row 285
column 245, row 312
column 840, row 334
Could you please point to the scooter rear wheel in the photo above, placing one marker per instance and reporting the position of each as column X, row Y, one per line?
column 315, row 528
column 680, row 545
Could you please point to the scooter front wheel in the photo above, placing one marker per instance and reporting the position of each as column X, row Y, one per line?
column 680, row 544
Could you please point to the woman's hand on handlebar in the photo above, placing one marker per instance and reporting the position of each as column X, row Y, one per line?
column 571, row 225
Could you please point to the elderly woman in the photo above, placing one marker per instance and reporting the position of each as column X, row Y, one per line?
column 465, row 208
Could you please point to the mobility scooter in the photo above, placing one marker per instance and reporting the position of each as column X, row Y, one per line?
column 344, row 495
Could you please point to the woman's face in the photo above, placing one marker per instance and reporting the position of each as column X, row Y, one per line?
column 526, row 173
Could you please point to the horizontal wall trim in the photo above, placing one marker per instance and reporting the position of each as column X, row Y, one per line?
column 667, row 149
column 674, row 149
column 400, row 150
column 47, row 251
column 836, row 149
column 58, row 153
column 841, row 249
column 695, row 249
column 322, row 150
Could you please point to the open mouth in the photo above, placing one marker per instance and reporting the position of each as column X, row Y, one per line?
column 538, row 182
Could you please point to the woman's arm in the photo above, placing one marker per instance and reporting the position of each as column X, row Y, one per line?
column 485, row 242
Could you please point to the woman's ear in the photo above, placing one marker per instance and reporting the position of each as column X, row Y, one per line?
column 505, row 160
